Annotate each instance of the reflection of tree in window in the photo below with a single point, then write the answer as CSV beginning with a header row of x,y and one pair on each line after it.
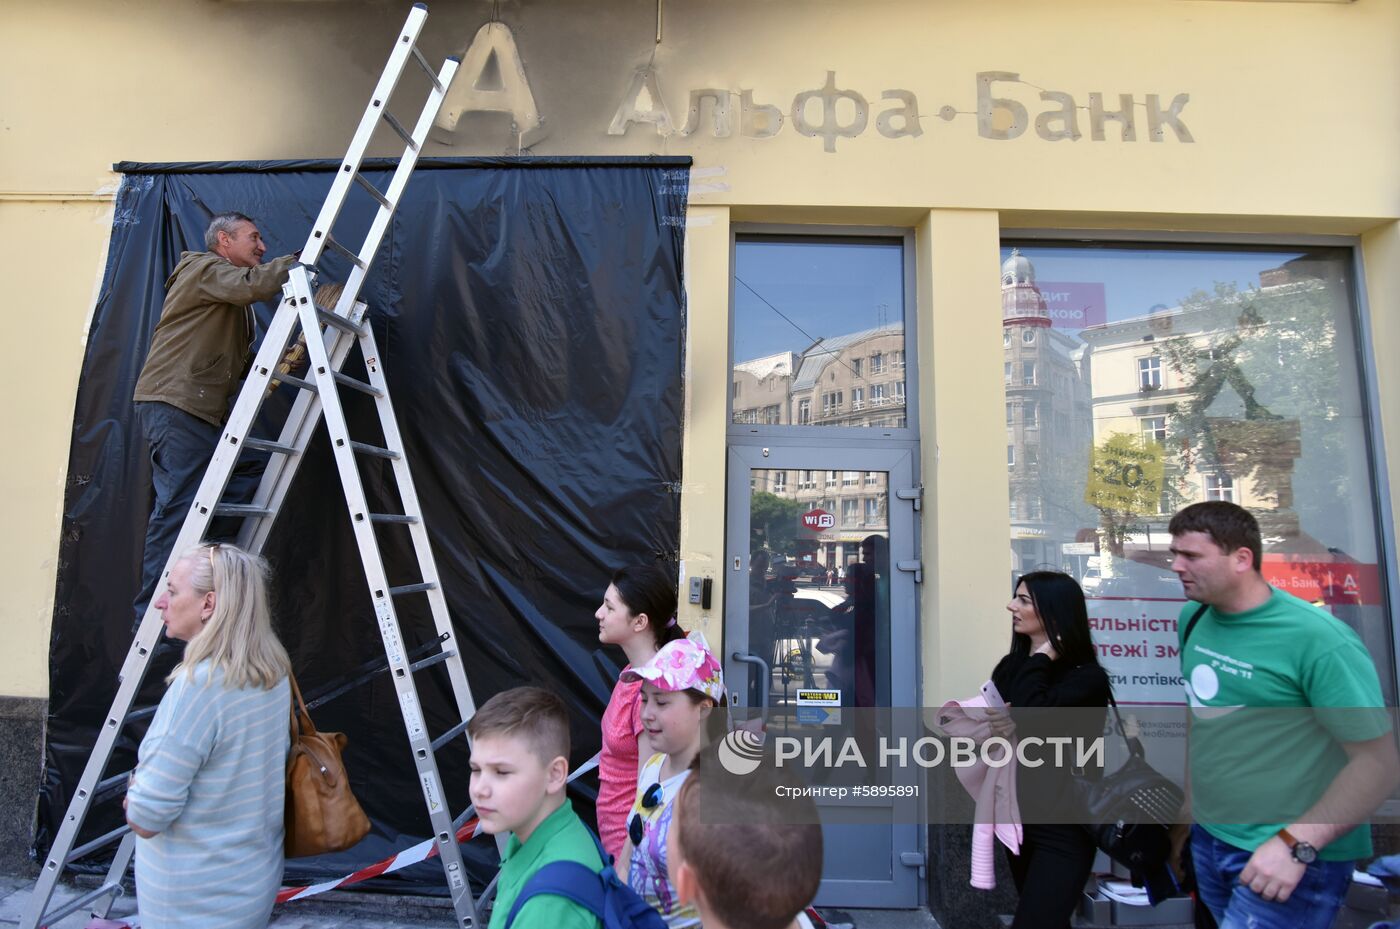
x,y
1248,418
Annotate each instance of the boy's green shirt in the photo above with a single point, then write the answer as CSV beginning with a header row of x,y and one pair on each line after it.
x,y
561,837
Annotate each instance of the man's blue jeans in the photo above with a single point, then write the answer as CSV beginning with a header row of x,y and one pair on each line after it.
x,y
181,446
1313,904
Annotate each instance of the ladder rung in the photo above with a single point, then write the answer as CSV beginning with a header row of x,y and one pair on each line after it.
x,y
449,735
366,672
339,322
439,658
242,509
97,843
392,518
297,382
116,780
372,190
412,589
142,713
375,451
398,127
349,255
428,70
268,445
361,386
78,903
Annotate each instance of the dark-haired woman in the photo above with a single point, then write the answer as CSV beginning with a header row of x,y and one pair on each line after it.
x,y
639,615
1051,664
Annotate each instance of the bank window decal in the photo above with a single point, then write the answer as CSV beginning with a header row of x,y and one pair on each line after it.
x,y
1174,374
821,321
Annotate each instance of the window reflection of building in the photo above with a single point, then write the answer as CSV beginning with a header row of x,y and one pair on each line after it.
x,y
854,380
1183,379
761,389
1047,423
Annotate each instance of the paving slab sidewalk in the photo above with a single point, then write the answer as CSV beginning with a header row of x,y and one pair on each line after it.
x,y
381,911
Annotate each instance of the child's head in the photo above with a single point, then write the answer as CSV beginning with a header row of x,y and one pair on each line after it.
x,y
746,858
641,600
520,759
680,686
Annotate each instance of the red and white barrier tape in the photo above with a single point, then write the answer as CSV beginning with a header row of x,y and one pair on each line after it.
x,y
420,852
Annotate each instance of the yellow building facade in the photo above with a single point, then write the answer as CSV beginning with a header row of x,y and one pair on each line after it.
x,y
955,125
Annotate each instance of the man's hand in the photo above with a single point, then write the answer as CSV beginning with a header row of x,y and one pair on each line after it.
x,y
1271,872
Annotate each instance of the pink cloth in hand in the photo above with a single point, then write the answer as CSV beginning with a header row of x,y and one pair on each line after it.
x,y
993,789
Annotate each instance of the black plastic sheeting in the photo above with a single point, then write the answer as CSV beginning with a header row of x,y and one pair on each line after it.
x,y
530,316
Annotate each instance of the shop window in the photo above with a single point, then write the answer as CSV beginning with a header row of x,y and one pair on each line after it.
x,y
816,318
1259,346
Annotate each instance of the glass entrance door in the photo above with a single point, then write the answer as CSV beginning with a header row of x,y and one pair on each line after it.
x,y
820,615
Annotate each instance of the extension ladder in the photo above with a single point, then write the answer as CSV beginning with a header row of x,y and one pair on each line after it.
x,y
329,333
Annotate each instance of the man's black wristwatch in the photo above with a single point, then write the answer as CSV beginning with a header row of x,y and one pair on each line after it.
x,y
1303,853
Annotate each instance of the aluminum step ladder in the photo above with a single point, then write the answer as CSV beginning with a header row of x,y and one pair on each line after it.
x,y
329,333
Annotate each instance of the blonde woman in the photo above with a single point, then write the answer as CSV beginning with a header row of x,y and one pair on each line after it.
x,y
206,798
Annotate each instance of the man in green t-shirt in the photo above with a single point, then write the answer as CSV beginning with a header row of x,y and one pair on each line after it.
x,y
1290,752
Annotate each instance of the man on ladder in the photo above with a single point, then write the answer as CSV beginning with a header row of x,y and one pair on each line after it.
x,y
200,353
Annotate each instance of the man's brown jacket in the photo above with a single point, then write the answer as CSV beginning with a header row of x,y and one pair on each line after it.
x,y
202,346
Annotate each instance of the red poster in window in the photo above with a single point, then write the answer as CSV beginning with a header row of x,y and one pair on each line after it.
x,y
817,520
1333,580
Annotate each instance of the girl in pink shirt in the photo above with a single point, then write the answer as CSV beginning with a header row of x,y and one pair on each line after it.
x,y
639,615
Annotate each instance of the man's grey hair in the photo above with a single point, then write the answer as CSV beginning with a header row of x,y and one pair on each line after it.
x,y
224,222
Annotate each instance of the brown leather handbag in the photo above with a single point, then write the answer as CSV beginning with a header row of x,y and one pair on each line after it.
x,y
322,814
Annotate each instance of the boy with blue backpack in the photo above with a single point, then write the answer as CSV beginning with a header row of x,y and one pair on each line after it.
x,y
552,872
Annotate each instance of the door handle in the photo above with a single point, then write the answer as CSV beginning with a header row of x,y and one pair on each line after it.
x,y
767,675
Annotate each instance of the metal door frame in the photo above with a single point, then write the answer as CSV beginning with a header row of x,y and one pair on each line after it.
x,y
899,460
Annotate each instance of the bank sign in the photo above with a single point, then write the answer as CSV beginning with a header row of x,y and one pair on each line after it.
x,y
1001,106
